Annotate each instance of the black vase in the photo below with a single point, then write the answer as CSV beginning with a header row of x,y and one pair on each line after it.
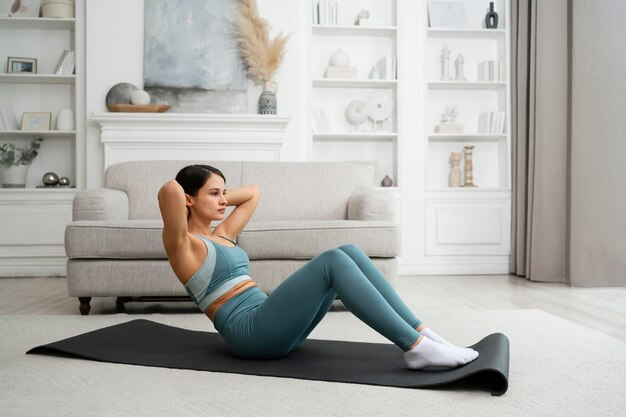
x,y
491,19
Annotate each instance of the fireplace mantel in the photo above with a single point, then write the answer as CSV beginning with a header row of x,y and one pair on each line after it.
x,y
166,136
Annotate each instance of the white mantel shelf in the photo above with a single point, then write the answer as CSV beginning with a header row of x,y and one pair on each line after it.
x,y
163,136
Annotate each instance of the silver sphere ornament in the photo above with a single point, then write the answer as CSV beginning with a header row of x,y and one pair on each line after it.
x,y
50,178
64,182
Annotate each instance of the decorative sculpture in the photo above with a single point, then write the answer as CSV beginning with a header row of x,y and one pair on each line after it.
x,y
454,178
468,167
491,18
458,63
445,64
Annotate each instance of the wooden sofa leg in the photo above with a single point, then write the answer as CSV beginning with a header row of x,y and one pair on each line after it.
x,y
84,305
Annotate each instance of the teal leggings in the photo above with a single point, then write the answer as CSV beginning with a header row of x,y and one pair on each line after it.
x,y
259,326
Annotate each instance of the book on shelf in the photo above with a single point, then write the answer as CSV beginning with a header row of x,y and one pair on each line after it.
x,y
320,121
491,122
340,72
387,68
491,71
66,64
324,12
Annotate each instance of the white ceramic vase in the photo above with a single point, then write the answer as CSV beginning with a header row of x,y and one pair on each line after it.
x,y
14,176
65,120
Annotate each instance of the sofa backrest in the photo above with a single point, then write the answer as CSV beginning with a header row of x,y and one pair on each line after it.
x,y
289,190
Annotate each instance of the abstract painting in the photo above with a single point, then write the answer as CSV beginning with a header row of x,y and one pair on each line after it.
x,y
191,59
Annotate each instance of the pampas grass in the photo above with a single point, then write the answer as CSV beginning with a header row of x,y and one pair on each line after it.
x,y
261,55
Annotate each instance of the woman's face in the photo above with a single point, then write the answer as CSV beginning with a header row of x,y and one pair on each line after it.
x,y
210,203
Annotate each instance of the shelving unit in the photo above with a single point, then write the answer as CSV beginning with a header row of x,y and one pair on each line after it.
x,y
45,39
367,143
468,226
33,219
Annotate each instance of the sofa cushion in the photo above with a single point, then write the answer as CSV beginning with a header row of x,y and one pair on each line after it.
x,y
305,239
141,239
141,181
131,239
305,191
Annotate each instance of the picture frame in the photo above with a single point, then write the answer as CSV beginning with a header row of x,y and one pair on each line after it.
x,y
446,15
39,121
20,8
21,65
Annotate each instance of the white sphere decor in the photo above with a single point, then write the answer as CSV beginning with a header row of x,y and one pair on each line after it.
x,y
340,59
140,97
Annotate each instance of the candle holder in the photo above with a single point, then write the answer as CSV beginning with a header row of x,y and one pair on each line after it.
x,y
468,166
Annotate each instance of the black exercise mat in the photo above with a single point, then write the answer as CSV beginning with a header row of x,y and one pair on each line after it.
x,y
143,342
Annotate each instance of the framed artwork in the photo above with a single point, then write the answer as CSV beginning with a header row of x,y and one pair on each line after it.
x,y
191,58
28,65
446,14
20,8
36,121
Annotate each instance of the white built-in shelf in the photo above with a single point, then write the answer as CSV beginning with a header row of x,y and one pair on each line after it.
x,y
37,23
467,33
466,85
38,133
355,136
467,137
463,190
353,83
332,30
37,79
23,195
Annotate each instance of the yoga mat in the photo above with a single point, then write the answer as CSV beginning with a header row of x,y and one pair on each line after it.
x,y
144,342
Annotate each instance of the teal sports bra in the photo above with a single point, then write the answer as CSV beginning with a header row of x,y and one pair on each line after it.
x,y
223,268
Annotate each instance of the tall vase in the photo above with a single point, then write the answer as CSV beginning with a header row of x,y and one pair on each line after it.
x,y
14,176
65,120
267,100
491,18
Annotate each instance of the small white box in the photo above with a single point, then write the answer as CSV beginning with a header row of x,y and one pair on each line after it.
x,y
450,128
340,72
57,8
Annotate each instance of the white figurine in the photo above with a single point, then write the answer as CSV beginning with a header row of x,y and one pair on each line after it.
x,y
445,64
459,68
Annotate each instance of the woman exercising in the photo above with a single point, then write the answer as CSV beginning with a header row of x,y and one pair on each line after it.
x,y
215,273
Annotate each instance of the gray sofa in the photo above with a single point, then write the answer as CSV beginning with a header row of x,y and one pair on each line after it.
x,y
114,244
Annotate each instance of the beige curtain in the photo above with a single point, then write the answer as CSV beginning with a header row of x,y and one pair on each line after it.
x,y
540,138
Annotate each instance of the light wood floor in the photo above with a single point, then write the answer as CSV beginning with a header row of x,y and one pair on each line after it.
x,y
601,308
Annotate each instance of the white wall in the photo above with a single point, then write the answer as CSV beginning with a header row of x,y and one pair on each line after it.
x,y
598,160
114,54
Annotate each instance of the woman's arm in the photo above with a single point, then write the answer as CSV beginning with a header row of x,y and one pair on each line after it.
x,y
174,212
245,200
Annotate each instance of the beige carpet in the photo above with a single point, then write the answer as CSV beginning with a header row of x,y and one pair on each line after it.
x,y
558,368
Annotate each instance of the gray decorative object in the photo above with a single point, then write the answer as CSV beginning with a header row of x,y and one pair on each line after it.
x,y
64,182
121,93
491,18
191,59
50,179
267,99
387,181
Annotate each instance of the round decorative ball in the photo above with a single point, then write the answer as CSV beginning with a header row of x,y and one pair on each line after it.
x,y
64,182
120,93
140,97
340,59
49,179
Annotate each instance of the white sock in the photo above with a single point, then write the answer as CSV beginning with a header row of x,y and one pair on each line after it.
x,y
435,337
432,355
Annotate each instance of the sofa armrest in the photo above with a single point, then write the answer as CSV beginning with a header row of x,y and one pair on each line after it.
x,y
100,204
372,205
